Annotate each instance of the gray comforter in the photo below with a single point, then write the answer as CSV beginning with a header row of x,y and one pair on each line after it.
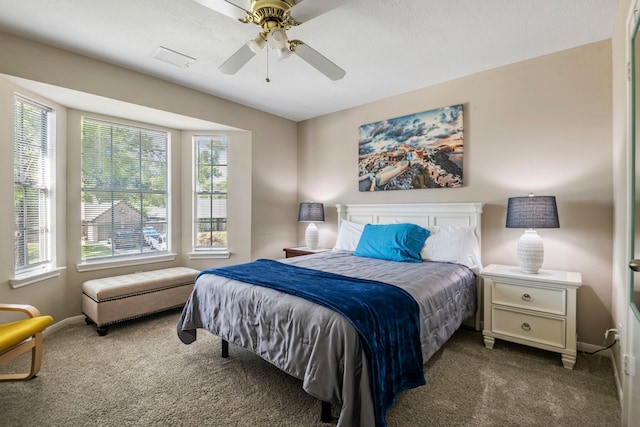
x,y
316,344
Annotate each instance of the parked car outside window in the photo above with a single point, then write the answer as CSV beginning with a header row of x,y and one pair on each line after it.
x,y
150,232
127,239
159,243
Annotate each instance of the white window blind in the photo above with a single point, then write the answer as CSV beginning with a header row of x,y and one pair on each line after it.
x,y
33,160
210,183
124,190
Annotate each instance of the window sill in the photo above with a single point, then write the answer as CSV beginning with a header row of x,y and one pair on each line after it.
x,y
219,254
124,262
34,277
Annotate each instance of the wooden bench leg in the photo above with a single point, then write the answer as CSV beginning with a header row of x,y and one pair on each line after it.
x,y
225,348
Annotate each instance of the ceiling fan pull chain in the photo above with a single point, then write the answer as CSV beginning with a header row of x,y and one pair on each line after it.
x,y
267,79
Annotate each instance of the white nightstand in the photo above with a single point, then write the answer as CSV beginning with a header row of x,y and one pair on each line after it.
x,y
302,250
532,309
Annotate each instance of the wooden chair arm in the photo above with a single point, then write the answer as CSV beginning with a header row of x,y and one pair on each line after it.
x,y
29,310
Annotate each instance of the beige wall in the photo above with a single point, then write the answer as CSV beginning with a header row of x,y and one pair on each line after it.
x,y
263,215
541,126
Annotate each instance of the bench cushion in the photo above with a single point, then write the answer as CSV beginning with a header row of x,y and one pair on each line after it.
x,y
137,283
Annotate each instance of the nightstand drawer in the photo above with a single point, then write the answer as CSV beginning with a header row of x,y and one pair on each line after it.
x,y
546,300
544,330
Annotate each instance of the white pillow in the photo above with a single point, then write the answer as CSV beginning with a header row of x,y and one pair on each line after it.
x,y
348,236
457,245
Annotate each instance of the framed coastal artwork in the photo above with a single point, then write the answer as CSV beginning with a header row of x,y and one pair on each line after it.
x,y
421,150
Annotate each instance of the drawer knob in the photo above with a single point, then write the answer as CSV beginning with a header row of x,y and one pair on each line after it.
x,y
526,326
526,297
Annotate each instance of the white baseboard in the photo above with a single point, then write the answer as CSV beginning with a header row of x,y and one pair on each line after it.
x,y
61,324
616,375
590,348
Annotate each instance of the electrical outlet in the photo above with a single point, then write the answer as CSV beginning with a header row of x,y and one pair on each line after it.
x,y
619,332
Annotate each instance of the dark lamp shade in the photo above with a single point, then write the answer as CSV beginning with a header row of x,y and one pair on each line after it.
x,y
311,212
532,212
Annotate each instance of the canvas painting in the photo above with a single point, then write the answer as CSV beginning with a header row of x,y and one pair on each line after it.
x,y
421,150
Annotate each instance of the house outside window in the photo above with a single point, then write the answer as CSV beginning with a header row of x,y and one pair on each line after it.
x,y
124,190
33,172
210,198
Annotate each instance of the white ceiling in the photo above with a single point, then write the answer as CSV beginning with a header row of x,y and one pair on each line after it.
x,y
387,47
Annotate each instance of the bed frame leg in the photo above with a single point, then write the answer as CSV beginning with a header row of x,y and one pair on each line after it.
x,y
225,348
325,412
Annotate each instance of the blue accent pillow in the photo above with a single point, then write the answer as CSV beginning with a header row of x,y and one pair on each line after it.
x,y
393,242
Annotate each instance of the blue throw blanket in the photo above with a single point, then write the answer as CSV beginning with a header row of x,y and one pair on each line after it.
x,y
385,316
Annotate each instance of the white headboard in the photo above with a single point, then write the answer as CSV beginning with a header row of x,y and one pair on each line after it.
x,y
423,214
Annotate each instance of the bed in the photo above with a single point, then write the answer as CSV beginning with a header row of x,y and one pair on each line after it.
x,y
317,344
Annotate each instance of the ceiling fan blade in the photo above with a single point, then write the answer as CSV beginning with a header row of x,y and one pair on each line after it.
x,y
317,60
305,10
237,60
236,9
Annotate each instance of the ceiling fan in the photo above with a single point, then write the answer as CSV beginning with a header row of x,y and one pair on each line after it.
x,y
275,17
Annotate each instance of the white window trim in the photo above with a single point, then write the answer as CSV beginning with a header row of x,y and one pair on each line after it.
x,y
218,252
35,276
124,262
48,270
210,254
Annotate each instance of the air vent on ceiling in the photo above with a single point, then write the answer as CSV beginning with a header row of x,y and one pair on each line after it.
x,y
172,57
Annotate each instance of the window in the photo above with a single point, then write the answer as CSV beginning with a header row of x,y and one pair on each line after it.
x,y
210,218
124,190
33,168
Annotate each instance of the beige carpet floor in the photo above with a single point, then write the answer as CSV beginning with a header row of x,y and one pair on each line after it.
x,y
140,374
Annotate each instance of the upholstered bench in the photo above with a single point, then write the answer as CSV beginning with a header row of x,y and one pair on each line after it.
x,y
115,299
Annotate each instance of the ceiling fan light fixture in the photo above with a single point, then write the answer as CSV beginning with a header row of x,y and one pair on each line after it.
x,y
274,18
277,38
283,53
256,44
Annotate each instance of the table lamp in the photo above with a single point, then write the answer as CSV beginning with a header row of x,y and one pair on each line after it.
x,y
311,213
531,212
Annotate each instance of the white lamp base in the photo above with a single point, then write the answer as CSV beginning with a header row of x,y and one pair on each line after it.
x,y
530,252
311,236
